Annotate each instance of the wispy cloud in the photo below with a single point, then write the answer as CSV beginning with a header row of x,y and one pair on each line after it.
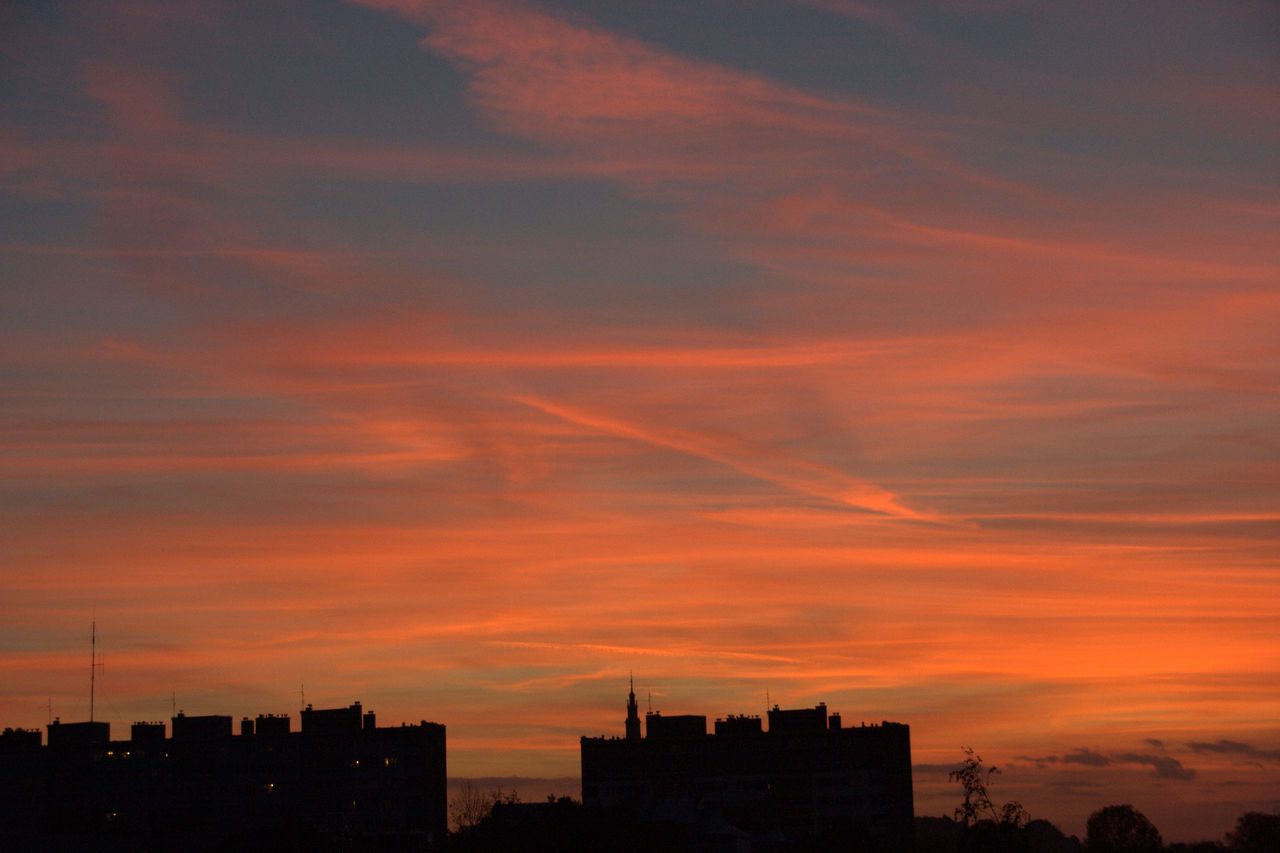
x,y
1163,766
1235,748
754,460
680,652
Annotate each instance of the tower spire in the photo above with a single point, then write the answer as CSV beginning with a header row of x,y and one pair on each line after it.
x,y
633,712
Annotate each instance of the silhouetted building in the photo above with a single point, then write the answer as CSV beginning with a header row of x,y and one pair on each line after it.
x,y
807,780
341,781
272,725
146,733
14,741
78,735
21,780
213,727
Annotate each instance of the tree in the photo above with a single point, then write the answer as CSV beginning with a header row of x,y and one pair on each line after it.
x,y
977,805
1121,829
1040,836
1255,832
471,805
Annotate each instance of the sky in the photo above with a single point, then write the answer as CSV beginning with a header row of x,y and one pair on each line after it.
x,y
466,358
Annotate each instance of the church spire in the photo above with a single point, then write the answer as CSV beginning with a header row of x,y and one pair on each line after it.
x,y
633,712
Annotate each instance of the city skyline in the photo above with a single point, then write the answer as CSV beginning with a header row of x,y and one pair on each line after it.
x,y
463,358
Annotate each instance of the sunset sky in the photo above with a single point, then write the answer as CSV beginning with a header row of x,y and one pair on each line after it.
x,y
919,358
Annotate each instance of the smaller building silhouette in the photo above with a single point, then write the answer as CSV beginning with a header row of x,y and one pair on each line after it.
x,y
806,779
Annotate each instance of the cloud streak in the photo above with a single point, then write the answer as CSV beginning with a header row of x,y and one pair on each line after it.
x,y
1235,748
1162,766
780,469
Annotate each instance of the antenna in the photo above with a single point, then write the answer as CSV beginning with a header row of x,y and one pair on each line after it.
x,y
50,706
302,691
173,704
650,701
93,662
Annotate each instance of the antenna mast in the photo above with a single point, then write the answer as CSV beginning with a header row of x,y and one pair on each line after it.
x,y
93,662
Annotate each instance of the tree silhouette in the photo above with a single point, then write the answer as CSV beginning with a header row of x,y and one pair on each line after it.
x,y
471,805
1122,829
977,805
1041,836
1255,832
